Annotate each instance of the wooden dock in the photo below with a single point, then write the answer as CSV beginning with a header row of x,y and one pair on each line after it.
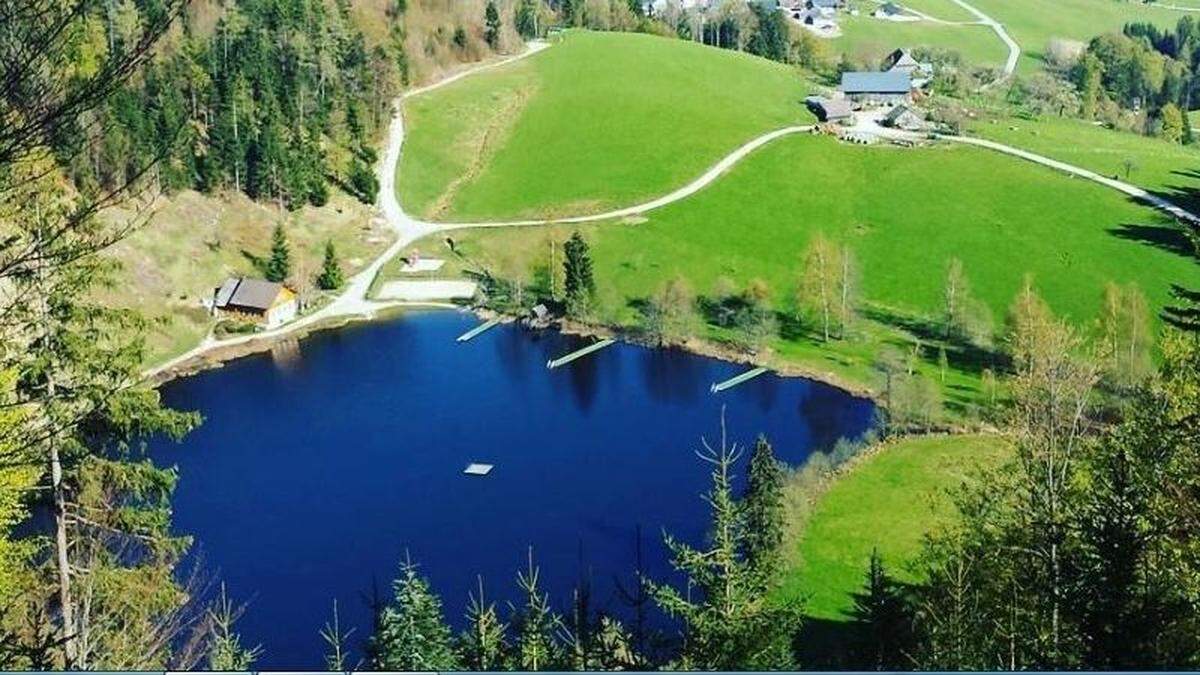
x,y
735,381
477,330
579,353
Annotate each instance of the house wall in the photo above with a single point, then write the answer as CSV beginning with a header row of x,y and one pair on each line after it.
x,y
281,314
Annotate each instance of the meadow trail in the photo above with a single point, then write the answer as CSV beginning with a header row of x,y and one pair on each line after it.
x,y
1014,50
354,304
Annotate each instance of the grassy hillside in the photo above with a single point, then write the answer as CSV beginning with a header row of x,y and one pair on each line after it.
x,y
1169,168
600,120
194,241
1032,23
905,214
867,39
890,501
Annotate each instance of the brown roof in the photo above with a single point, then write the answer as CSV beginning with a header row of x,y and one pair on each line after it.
x,y
255,294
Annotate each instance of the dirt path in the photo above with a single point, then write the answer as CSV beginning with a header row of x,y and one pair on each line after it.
x,y
1014,50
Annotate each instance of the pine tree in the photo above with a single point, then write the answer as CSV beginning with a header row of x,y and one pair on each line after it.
x,y
883,620
536,647
728,622
483,643
279,264
412,634
763,509
577,274
526,19
226,652
491,18
331,277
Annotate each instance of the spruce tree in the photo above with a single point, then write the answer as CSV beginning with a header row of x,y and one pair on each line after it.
x,y
728,623
279,263
536,647
526,19
483,643
331,277
411,633
491,19
763,509
577,274
226,652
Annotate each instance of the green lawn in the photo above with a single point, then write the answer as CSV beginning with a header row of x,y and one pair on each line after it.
x,y
867,39
905,213
889,501
599,120
1032,23
1158,165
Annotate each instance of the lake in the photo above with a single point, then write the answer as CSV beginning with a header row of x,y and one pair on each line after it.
x,y
319,468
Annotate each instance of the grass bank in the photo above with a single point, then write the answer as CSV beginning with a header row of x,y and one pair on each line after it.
x,y
904,213
599,121
193,241
889,499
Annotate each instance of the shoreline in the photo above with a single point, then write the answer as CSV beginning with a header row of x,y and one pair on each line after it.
x,y
219,355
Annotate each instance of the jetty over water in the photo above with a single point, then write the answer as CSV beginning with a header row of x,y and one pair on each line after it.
x,y
492,323
579,353
735,381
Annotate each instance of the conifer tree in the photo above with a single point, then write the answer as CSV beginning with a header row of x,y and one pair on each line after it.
x,y
491,19
577,274
483,642
226,652
279,263
763,509
412,633
728,622
331,277
536,647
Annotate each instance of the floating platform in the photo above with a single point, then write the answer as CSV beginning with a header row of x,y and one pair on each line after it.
x,y
594,347
477,330
735,381
476,469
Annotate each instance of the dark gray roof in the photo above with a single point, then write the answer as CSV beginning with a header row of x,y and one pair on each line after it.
x,y
829,108
829,4
248,293
892,82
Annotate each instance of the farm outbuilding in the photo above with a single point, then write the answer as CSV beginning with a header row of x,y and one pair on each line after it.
x,y
873,88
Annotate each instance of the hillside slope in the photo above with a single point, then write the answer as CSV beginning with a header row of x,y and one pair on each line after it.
x,y
600,120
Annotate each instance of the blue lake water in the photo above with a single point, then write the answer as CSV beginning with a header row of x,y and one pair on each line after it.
x,y
315,472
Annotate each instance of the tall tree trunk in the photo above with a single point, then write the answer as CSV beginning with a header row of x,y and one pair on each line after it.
x,y
62,561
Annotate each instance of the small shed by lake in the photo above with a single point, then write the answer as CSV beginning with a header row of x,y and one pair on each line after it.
x,y
267,303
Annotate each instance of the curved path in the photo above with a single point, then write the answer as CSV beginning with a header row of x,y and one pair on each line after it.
x,y
1014,50
353,302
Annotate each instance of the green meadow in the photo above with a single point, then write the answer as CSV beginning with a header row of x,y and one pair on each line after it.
x,y
889,501
1169,168
903,212
867,39
600,120
1033,23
